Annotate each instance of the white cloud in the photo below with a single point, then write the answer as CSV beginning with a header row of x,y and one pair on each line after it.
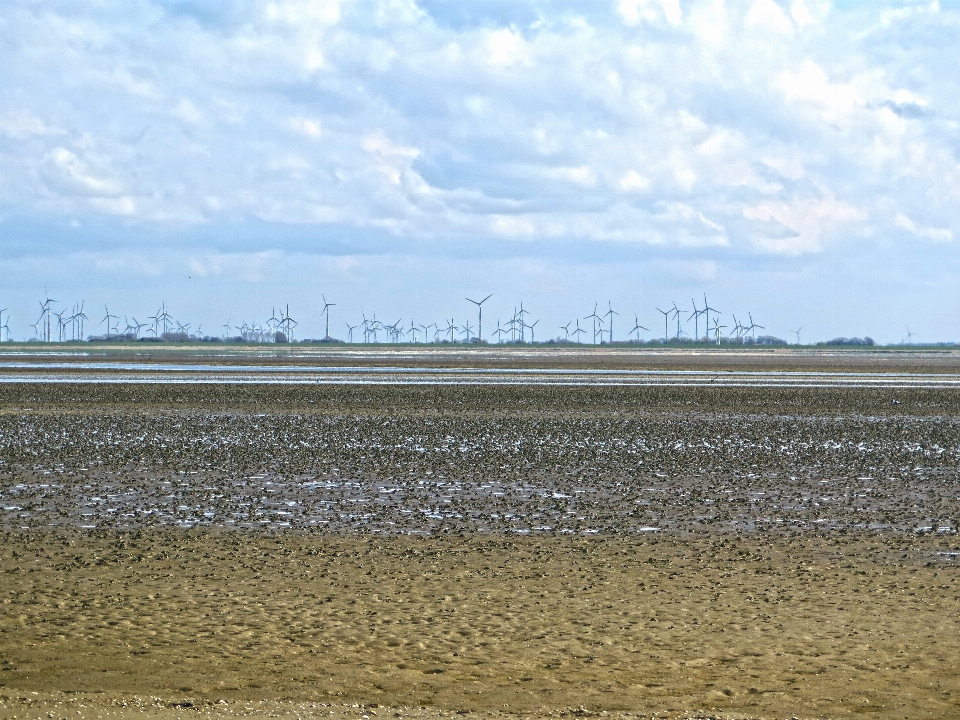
x,y
400,12
506,48
633,12
931,233
811,84
695,228
310,127
807,221
188,112
632,181
378,144
767,16
303,13
512,226
68,174
22,124
582,175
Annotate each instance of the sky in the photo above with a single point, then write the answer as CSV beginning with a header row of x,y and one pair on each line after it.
x,y
797,160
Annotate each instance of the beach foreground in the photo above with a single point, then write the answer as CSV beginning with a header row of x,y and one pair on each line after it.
x,y
749,626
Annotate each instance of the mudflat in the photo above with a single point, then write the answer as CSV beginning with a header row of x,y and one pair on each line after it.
x,y
260,551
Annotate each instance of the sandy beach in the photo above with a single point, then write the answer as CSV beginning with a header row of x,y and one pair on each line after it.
x,y
816,627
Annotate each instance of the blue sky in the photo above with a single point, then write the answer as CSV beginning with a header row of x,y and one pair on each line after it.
x,y
797,159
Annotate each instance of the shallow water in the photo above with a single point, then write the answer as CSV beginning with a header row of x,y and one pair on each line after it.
x,y
139,373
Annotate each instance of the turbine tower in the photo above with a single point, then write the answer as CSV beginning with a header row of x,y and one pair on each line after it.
x,y
326,310
707,310
479,305
666,319
593,316
695,315
609,314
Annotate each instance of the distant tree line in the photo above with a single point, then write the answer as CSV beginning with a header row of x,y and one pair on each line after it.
x,y
849,341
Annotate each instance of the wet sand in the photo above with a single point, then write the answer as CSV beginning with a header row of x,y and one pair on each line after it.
x,y
810,627
804,561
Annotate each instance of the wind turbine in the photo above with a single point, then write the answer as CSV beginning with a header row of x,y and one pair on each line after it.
x,y
288,323
738,328
164,317
578,332
395,331
44,321
609,314
107,319
696,320
326,309
532,340
480,314
594,317
81,316
666,319
523,324
717,327
637,327
512,324
797,333
753,327
61,323
909,336
676,315
566,330
707,310
273,322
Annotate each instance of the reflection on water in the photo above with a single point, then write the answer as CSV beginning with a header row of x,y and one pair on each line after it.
x,y
114,372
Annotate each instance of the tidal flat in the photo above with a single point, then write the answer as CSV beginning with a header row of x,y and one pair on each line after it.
x,y
174,550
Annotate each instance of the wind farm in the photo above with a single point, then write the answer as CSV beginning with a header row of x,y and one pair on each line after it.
x,y
700,326
447,515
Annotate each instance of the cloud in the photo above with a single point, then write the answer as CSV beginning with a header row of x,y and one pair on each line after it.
x,y
512,226
19,125
309,127
771,126
506,48
188,112
805,222
767,16
632,181
581,175
633,12
931,233
68,174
